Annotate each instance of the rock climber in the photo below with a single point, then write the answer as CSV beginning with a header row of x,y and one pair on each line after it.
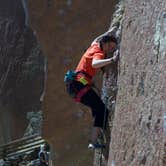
x,y
43,156
80,87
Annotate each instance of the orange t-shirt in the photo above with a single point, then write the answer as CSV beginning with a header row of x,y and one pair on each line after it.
x,y
85,64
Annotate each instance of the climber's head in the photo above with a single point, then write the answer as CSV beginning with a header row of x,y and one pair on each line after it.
x,y
108,43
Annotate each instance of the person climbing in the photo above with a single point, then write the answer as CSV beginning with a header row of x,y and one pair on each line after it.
x,y
43,156
79,81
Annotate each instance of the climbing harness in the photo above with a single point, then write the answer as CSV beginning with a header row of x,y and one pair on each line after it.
x,y
81,93
69,76
69,80
76,88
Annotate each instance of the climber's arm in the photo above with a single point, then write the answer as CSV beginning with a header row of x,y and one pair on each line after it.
x,y
98,63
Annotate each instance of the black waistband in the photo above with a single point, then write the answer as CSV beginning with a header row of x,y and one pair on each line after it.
x,y
86,74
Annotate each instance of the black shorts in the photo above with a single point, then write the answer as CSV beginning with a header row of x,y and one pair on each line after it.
x,y
92,100
99,111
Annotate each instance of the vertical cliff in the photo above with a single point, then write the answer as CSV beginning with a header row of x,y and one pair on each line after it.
x,y
138,136
21,70
110,77
66,29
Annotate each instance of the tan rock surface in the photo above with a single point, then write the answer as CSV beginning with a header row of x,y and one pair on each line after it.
x,y
139,136
65,29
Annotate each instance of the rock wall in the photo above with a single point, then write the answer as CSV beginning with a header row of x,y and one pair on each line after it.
x,y
110,77
21,71
139,133
66,29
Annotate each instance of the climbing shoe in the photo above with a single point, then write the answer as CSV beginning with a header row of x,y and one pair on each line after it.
x,y
96,146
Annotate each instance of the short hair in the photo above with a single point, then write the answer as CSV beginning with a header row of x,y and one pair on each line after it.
x,y
107,39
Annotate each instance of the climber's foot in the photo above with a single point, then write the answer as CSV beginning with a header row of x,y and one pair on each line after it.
x,y
96,146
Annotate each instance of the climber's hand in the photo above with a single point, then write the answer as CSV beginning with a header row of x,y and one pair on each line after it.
x,y
116,56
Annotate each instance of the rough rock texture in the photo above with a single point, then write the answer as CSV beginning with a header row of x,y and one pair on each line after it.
x,y
110,76
21,71
139,133
66,29
34,124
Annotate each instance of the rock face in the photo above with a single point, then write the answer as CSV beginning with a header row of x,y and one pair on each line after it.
x,y
66,29
34,124
139,133
110,76
21,71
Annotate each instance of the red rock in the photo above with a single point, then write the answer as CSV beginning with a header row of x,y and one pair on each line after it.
x,y
138,136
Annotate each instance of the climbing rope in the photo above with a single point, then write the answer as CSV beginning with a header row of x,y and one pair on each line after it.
x,y
103,128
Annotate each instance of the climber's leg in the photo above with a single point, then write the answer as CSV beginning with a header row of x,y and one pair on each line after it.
x,y
96,131
100,113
